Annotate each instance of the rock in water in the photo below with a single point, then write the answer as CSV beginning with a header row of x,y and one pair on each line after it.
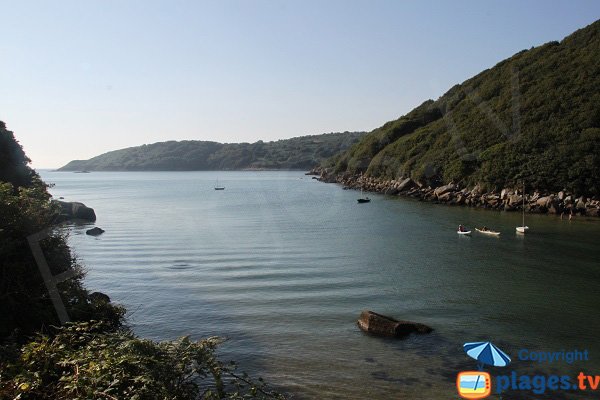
x,y
94,231
75,210
378,324
98,297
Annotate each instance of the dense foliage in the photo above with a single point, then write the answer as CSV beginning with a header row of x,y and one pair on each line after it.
x,y
303,152
532,117
85,361
25,209
94,357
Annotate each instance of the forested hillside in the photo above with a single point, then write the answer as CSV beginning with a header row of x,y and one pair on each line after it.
x,y
533,117
191,155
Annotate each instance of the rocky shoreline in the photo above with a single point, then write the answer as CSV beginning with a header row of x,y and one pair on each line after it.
x,y
507,199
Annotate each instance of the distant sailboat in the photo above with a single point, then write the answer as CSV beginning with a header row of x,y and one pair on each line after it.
x,y
362,199
217,187
523,228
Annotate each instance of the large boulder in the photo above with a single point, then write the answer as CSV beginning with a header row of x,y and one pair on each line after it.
x,y
445,197
545,201
568,200
378,324
444,189
477,190
75,210
515,200
406,184
580,204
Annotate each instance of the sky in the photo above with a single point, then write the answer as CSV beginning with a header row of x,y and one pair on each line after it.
x,y
79,78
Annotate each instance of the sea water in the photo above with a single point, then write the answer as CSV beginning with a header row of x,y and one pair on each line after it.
x,y
281,265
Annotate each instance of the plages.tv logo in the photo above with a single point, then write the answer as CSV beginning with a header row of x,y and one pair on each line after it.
x,y
478,384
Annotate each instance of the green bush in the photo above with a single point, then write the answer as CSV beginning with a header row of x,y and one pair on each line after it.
x,y
89,361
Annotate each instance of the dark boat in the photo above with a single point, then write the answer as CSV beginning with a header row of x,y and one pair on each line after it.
x,y
363,199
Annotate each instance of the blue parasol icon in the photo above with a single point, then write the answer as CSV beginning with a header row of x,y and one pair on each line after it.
x,y
486,354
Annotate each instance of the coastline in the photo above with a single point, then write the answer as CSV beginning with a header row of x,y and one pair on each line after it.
x,y
564,203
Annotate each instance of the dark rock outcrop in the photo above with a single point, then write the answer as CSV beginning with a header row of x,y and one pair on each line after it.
x,y
75,210
378,324
94,231
98,297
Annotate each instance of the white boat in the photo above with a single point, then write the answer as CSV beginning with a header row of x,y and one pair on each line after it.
x,y
463,232
523,228
488,232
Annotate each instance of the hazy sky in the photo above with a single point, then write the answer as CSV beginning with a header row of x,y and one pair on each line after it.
x,y
79,78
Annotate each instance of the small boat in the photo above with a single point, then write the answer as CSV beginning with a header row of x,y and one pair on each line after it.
x,y
363,199
487,232
464,232
217,187
523,228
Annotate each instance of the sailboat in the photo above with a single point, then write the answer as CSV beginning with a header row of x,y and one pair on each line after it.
x,y
523,228
362,199
217,187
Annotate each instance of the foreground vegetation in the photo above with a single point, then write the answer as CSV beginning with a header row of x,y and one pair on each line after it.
x,y
533,117
95,356
191,155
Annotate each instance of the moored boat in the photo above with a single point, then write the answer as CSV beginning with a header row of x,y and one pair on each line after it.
x,y
487,232
523,228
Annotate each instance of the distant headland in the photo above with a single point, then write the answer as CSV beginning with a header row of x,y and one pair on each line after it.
x,y
299,153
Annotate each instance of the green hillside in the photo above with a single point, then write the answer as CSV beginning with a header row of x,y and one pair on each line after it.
x,y
297,153
532,117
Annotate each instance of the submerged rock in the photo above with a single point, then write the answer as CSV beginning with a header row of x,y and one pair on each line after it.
x,y
382,325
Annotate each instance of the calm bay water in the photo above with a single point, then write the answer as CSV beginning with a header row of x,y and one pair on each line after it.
x,y
282,266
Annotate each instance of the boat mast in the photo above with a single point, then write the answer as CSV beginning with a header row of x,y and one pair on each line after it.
x,y
523,205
